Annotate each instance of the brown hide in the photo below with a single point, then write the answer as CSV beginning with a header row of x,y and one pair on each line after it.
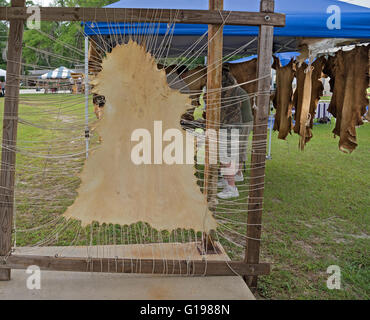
x,y
244,72
94,57
349,101
196,78
302,103
305,102
329,71
317,87
367,116
283,97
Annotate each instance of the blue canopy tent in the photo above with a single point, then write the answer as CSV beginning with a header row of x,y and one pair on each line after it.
x,y
308,19
284,58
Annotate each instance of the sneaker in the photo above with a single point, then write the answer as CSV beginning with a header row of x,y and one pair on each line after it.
x,y
222,183
228,193
239,177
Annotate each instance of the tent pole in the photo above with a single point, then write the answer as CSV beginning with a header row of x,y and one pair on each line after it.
x,y
87,132
271,117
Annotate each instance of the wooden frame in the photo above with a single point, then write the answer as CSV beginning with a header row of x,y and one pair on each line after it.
x,y
10,125
144,266
266,19
145,15
259,144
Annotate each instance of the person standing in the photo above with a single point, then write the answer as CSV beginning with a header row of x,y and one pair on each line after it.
x,y
3,88
236,118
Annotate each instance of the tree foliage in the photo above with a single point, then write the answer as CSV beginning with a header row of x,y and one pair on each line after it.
x,y
57,43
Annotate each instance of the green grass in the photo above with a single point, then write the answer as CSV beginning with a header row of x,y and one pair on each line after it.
x,y
316,215
316,207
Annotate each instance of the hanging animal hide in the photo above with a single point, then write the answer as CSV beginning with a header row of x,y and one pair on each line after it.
x,y
306,98
283,97
94,56
329,72
115,190
350,72
245,72
302,103
317,90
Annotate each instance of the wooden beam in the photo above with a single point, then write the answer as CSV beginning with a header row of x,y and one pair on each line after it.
x,y
214,85
144,266
146,15
259,143
10,125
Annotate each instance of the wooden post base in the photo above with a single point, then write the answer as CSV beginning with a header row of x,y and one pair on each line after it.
x,y
5,274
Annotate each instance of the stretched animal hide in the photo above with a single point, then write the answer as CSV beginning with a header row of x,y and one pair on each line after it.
x,y
283,97
302,103
115,190
350,72
306,98
244,72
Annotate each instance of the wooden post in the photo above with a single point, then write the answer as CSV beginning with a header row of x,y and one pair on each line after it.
x,y
214,84
10,123
258,160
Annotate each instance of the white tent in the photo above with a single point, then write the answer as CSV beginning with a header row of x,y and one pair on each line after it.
x,y
2,73
59,73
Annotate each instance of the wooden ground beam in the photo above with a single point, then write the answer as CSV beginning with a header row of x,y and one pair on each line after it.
x,y
145,15
259,143
144,266
10,124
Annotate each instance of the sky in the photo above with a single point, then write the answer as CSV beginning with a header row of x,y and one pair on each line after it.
x,y
365,3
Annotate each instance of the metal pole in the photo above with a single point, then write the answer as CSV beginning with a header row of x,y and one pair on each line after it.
x,y
271,117
87,133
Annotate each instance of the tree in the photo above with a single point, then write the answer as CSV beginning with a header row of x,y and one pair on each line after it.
x,y
3,37
57,43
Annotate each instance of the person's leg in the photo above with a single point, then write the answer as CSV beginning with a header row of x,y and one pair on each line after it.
x,y
230,190
228,169
230,179
243,147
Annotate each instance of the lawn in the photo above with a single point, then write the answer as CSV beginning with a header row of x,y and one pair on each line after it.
x,y
316,202
316,215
